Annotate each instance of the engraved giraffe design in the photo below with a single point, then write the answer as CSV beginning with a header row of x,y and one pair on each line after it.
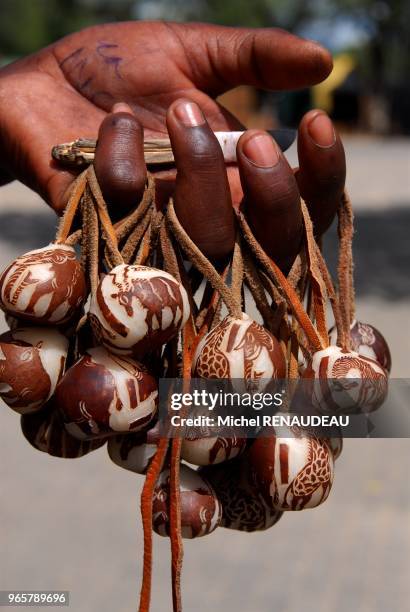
x,y
315,474
212,362
373,383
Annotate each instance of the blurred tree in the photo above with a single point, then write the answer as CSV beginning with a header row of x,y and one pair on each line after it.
x,y
258,13
384,61
28,25
388,48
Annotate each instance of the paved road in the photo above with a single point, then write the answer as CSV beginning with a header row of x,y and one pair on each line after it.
x,y
75,524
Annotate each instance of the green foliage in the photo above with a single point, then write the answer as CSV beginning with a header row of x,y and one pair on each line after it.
x,y
248,13
29,25
240,13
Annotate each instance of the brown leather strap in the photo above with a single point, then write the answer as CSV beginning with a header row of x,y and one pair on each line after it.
x,y
280,280
151,478
71,208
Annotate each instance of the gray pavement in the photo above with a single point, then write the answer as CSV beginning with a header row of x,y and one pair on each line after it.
x,y
75,525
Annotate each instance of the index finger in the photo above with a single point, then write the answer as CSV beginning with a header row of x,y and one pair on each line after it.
x,y
119,160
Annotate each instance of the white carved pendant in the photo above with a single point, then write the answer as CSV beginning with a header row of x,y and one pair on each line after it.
x,y
137,309
344,381
46,286
212,450
239,349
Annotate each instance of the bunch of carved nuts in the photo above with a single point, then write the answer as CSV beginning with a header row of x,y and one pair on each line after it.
x,y
106,390
71,406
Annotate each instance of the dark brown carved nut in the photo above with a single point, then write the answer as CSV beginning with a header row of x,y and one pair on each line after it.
x,y
69,328
134,451
336,445
344,381
239,349
32,362
103,394
46,285
200,508
293,472
137,309
243,507
46,432
368,342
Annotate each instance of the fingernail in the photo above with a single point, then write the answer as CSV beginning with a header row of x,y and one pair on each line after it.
x,y
261,150
121,107
321,130
189,114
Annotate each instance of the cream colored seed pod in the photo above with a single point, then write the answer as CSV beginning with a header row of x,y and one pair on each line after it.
x,y
212,450
344,381
239,349
137,309
46,286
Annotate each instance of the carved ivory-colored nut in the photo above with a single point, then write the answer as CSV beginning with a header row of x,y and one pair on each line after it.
x,y
243,507
368,342
200,508
292,473
46,285
32,362
46,432
103,394
361,382
212,450
239,349
134,451
138,309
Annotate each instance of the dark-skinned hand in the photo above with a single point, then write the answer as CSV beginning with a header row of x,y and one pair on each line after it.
x,y
205,190
64,91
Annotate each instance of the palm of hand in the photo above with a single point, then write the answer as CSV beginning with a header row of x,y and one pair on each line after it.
x,y
149,73
69,87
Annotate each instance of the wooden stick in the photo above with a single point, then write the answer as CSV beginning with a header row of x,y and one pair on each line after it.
x,y
81,152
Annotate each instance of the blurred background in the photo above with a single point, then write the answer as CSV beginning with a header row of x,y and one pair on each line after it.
x,y
75,525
